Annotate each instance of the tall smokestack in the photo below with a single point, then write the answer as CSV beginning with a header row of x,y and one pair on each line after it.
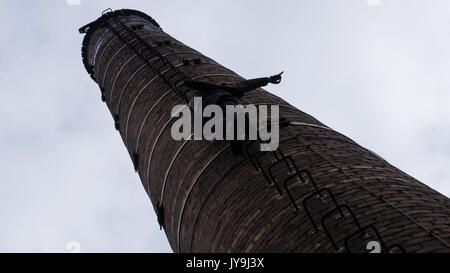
x,y
319,192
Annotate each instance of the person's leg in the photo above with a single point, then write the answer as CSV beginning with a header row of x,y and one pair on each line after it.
x,y
235,144
236,147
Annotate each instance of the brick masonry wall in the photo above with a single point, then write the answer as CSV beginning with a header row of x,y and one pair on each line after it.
x,y
216,202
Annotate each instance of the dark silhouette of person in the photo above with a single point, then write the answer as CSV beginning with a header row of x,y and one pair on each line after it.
x,y
228,94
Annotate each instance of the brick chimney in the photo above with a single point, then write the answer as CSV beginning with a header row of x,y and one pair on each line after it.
x,y
319,192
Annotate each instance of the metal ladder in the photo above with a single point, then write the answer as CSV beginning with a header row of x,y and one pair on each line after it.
x,y
158,63
303,178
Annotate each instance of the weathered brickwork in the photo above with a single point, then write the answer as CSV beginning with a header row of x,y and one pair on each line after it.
x,y
216,202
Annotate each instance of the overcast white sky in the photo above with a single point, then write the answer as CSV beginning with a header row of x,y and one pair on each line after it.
x,y
377,73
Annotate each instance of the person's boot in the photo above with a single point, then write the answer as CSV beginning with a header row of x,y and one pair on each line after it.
x,y
236,147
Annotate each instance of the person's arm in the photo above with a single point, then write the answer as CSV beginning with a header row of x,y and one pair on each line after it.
x,y
252,84
201,86
248,85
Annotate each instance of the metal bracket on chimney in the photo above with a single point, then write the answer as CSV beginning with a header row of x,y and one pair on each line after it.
x,y
135,160
103,93
116,121
160,214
